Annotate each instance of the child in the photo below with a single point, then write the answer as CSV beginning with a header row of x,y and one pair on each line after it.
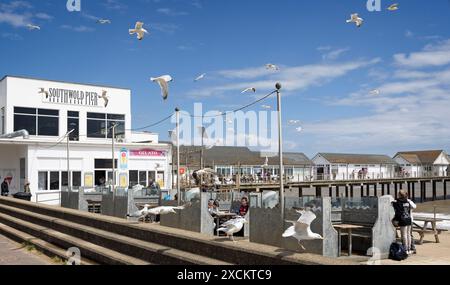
x,y
403,216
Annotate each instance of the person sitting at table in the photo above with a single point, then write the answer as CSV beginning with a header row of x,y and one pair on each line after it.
x,y
213,207
243,210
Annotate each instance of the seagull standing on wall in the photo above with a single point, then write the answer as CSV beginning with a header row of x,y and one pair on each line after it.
x,y
105,98
232,227
356,19
140,215
301,230
163,82
139,31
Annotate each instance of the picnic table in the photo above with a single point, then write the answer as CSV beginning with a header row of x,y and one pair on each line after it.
x,y
425,230
349,231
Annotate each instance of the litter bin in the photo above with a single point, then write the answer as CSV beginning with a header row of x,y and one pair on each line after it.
x,y
23,196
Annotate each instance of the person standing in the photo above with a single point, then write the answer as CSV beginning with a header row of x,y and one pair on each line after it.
x,y
5,188
403,216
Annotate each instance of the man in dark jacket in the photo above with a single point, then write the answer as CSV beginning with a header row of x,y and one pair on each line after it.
x,y
5,188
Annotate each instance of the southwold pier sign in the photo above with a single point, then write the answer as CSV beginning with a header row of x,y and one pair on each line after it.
x,y
71,97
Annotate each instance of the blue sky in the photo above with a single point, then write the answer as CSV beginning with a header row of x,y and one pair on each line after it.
x,y
327,67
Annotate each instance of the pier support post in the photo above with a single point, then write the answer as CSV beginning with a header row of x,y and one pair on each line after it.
x,y
352,191
300,192
318,191
382,189
346,190
413,189
422,192
445,190
337,191
330,191
433,182
362,190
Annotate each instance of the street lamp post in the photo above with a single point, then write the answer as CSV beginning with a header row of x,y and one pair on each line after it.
x,y
69,180
177,110
113,161
280,149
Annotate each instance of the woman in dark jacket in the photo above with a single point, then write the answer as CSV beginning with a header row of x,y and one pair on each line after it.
x,y
403,218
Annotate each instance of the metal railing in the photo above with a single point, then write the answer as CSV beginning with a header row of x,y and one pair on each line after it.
x,y
41,194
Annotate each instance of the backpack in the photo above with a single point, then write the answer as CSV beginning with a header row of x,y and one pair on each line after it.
x,y
397,252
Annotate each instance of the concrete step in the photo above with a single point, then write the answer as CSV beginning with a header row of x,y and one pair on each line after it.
x,y
144,250
184,241
46,248
89,250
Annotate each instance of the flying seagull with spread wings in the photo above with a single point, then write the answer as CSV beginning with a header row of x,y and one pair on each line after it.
x,y
301,230
105,98
163,82
104,21
393,7
33,27
139,31
252,89
200,77
42,91
271,66
356,19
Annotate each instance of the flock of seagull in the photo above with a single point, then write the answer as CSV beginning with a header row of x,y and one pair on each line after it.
x,y
300,229
358,21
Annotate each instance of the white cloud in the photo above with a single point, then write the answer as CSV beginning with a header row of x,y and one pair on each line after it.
x,y
431,55
80,29
411,110
171,12
295,78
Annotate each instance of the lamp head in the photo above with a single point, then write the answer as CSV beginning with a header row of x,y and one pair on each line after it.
x,y
278,86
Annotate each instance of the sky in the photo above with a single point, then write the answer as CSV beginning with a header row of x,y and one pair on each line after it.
x,y
328,67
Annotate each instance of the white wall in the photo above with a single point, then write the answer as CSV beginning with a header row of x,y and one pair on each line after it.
x,y
10,164
2,105
25,93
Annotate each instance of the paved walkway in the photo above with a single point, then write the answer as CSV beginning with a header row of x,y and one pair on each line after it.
x,y
12,253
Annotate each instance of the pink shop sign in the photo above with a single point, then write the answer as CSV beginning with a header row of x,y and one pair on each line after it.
x,y
147,153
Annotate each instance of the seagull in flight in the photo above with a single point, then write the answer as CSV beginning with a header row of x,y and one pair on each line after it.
x,y
33,27
164,210
104,21
266,107
356,19
163,82
141,214
253,89
105,98
271,66
294,122
393,7
375,92
299,129
301,230
200,77
42,91
139,31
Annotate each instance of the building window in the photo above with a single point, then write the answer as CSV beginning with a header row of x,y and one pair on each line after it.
x,y
43,181
54,180
100,125
38,122
133,178
76,179
2,121
73,123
